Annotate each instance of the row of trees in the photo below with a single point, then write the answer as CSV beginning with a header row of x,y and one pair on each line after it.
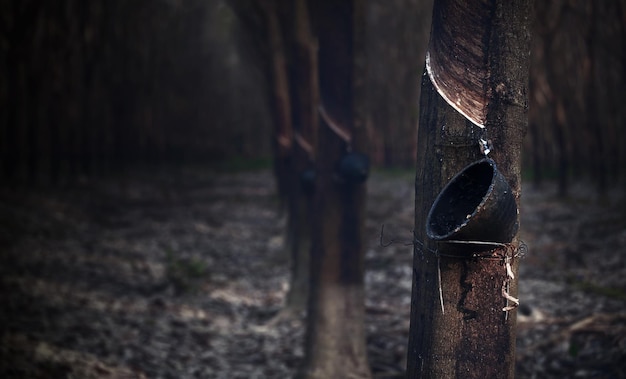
x,y
313,55
317,69
90,87
577,82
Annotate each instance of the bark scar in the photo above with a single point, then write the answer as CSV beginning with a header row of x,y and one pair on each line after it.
x,y
468,314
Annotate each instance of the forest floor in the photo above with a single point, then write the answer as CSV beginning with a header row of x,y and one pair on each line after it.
x,y
179,274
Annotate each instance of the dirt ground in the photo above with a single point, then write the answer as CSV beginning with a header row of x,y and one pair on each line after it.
x,y
176,274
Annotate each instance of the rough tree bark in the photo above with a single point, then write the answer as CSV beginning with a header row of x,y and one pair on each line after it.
x,y
335,342
466,333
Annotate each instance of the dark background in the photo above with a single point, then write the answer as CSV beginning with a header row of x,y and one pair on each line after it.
x,y
93,87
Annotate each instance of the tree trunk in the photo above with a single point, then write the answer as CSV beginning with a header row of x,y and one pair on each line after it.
x,y
462,331
563,149
283,129
304,102
595,119
335,342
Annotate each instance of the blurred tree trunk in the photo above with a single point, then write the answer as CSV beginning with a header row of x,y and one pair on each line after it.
x,y
596,121
335,339
562,143
279,99
19,25
283,106
471,337
292,98
281,40
304,100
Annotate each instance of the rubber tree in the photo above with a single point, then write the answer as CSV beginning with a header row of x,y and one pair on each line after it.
x,y
278,36
473,103
303,84
335,338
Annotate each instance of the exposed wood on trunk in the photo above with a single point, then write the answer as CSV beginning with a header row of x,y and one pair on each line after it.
x,y
458,54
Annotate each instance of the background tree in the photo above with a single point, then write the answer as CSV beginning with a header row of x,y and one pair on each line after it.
x,y
304,92
465,332
335,339
288,52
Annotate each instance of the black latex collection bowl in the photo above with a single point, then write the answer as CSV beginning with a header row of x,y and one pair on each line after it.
x,y
476,205
354,167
